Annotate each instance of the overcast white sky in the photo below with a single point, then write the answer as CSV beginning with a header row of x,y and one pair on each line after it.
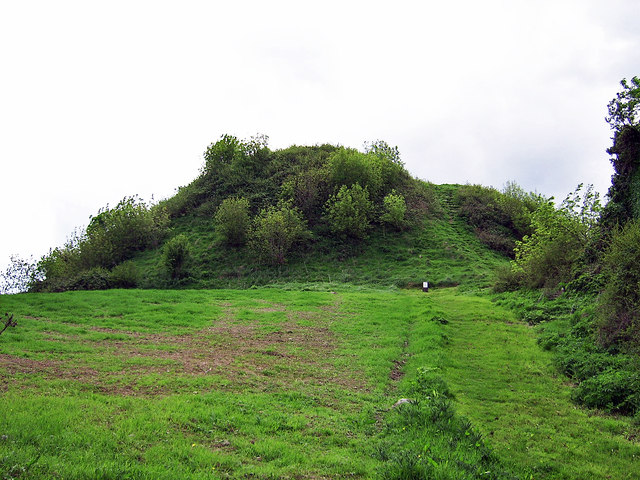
x,y
99,100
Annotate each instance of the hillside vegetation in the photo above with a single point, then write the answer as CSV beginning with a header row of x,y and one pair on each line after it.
x,y
320,214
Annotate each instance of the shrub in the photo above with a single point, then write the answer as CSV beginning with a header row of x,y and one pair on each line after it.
x,y
387,160
175,256
231,163
349,211
613,390
308,190
620,300
548,256
507,279
394,209
232,221
275,231
499,218
125,275
348,167
115,234
96,278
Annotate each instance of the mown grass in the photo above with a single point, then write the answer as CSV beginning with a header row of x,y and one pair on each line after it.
x,y
289,384
508,387
211,384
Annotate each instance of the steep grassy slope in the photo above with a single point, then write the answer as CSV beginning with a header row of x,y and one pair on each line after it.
x,y
442,249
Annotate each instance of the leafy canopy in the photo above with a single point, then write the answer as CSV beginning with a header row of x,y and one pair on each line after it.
x,y
623,109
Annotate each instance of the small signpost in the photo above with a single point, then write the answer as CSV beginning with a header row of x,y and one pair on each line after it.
x,y
425,286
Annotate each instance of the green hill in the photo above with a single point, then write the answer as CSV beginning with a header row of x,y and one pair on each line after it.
x,y
268,321
353,217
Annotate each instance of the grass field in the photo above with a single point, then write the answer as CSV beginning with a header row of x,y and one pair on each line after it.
x,y
507,386
266,383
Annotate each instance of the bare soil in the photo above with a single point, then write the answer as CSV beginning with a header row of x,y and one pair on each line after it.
x,y
238,353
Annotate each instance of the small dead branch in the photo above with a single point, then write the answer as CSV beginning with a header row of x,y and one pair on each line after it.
x,y
8,322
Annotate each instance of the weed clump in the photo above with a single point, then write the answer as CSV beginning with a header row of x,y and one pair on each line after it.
x,y
424,438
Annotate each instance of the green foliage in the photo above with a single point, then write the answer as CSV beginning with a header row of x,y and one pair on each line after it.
x,y
518,206
620,300
232,221
349,211
569,327
308,190
234,162
624,193
508,279
394,209
555,252
614,390
112,236
124,275
232,168
624,107
276,230
499,219
387,159
380,148
348,167
546,257
115,234
175,256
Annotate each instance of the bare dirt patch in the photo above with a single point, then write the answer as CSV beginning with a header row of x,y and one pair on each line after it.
x,y
261,356
52,368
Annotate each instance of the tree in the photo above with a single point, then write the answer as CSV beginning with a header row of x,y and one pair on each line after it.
x,y
19,275
387,161
381,148
275,231
624,107
624,193
348,167
232,221
555,252
349,211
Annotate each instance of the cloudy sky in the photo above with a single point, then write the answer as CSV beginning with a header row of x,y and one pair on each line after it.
x,y
100,100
